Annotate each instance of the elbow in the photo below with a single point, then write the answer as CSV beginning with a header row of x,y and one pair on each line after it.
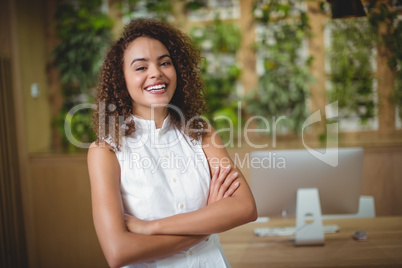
x,y
246,211
120,250
253,215
250,212
119,254
113,264
116,257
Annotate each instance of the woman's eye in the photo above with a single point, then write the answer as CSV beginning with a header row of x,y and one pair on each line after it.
x,y
140,69
165,63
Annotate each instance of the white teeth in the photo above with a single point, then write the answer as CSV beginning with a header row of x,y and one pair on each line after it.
x,y
157,87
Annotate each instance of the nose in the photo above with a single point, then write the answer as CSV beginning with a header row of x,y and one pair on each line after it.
x,y
155,71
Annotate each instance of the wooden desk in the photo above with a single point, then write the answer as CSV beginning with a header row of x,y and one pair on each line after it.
x,y
382,249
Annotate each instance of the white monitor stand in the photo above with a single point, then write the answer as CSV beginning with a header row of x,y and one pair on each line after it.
x,y
309,230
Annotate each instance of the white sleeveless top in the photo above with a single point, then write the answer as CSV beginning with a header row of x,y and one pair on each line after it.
x,y
164,173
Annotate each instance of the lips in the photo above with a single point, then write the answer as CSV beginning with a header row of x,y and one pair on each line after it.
x,y
156,88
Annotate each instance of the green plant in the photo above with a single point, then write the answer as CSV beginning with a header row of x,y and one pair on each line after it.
x,y
381,13
84,32
351,54
283,87
192,5
219,42
159,9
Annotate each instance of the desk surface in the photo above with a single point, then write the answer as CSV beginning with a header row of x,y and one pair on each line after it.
x,y
382,249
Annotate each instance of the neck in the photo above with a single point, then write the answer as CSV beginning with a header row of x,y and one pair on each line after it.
x,y
157,115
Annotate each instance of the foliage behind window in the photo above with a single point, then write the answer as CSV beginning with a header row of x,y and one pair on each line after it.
x,y
84,32
159,9
283,87
219,42
381,13
351,55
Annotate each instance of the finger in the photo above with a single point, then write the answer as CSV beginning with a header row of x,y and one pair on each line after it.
x,y
216,190
227,183
214,179
214,186
231,190
215,174
216,183
223,174
220,180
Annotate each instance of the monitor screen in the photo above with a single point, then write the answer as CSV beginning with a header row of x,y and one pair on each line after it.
x,y
275,177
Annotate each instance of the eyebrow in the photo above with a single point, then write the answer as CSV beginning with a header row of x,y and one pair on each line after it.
x,y
146,59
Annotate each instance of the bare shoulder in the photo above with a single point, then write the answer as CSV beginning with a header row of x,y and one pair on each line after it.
x,y
212,140
101,160
101,149
214,149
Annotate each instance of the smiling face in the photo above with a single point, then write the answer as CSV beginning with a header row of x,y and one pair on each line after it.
x,y
150,75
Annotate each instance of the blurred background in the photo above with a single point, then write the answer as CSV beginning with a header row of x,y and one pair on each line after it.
x,y
267,65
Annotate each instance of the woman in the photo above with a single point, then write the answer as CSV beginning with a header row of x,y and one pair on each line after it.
x,y
162,183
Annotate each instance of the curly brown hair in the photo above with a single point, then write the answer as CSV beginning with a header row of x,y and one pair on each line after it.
x,y
114,104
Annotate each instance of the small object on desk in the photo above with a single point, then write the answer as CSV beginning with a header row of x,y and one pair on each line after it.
x,y
280,231
262,219
360,236
287,231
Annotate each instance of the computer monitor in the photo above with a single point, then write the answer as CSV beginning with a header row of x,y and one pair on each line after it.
x,y
283,181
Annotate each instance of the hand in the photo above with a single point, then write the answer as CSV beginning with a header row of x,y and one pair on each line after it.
x,y
222,185
137,226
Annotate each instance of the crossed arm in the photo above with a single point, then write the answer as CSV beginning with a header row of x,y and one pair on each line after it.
x,y
176,233
226,213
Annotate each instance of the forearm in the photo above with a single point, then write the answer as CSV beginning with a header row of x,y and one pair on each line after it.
x,y
129,248
215,218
